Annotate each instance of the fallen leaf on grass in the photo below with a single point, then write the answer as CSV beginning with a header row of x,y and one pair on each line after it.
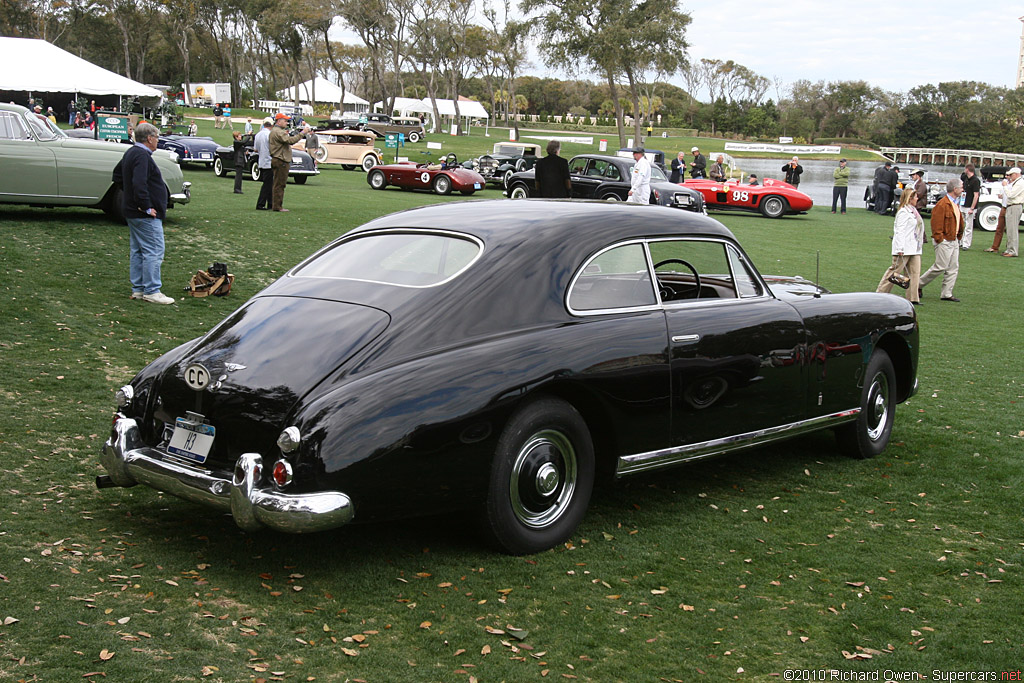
x,y
350,653
106,655
10,620
425,624
485,650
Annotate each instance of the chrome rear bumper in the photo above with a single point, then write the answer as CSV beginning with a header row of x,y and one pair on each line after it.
x,y
129,462
183,197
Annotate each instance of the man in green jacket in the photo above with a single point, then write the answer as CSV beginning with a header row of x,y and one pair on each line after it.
x,y
841,185
281,157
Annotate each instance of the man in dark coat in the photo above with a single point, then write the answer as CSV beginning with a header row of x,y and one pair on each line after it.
x,y
678,168
793,171
552,173
698,164
239,143
144,202
883,191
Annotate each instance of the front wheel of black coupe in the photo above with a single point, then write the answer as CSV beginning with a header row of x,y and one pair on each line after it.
x,y
541,478
869,434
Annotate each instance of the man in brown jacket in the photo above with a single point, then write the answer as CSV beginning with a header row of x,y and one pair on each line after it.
x,y
281,157
947,229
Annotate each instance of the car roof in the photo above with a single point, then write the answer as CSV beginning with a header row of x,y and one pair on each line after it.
x,y
592,224
531,250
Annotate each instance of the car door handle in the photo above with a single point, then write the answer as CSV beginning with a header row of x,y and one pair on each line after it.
x,y
685,338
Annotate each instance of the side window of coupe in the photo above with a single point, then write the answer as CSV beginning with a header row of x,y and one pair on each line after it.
x,y
612,172
693,269
597,168
578,166
747,283
12,128
614,279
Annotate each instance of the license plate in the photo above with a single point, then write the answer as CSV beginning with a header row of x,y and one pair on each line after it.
x,y
206,155
192,441
476,186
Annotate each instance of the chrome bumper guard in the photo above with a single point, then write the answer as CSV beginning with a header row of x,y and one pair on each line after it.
x,y
183,197
129,462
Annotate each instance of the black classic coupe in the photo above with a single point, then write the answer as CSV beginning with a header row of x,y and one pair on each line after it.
x,y
458,362
597,176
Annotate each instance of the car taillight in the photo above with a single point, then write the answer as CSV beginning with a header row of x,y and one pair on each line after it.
x,y
282,473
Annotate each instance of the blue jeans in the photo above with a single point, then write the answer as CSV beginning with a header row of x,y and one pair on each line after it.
x,y
145,253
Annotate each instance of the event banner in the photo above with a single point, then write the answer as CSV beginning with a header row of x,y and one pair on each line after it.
x,y
784,149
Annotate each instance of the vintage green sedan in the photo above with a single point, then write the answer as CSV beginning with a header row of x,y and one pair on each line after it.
x,y
41,166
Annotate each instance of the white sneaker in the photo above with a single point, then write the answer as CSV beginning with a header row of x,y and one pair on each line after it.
x,y
136,295
157,298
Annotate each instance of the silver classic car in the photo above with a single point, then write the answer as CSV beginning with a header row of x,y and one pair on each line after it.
x,y
41,166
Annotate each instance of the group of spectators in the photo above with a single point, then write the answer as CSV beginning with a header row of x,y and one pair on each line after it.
x,y
144,194
952,226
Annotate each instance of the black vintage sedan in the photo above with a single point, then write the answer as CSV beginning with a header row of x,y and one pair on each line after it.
x,y
301,169
459,362
190,149
596,176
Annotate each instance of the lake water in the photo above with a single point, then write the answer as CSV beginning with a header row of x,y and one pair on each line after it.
x,y
816,180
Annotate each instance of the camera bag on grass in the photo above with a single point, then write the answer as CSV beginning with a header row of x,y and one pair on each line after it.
x,y
216,281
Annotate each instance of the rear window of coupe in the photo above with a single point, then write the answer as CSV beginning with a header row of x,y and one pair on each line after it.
x,y
408,259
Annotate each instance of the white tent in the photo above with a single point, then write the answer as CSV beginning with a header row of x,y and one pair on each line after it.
x,y
467,108
325,91
47,68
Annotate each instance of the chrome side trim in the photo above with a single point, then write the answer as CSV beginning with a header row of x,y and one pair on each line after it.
x,y
642,462
129,462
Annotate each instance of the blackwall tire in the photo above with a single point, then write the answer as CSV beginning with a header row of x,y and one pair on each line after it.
x,y
442,185
773,206
541,478
377,180
868,435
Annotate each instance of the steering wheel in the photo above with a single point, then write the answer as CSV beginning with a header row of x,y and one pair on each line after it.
x,y
451,161
668,293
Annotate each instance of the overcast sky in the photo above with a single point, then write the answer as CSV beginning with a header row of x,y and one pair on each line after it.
x,y
893,45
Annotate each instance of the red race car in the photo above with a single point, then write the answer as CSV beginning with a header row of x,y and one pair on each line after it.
x,y
773,199
442,178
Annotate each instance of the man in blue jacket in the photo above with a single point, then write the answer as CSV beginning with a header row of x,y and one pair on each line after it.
x,y
144,201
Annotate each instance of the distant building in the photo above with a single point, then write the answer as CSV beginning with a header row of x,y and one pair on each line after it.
x,y
1020,58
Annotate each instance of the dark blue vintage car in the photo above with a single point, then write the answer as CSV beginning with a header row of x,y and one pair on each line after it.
x,y
302,166
438,359
190,149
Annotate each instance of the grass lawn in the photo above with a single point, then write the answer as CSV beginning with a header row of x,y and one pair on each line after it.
x,y
740,568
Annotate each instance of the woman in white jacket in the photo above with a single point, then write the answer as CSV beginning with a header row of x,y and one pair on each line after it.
x,y
907,242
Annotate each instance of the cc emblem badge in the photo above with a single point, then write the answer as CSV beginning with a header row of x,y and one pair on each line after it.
x,y
197,377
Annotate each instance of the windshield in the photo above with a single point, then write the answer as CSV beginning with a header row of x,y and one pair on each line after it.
x,y
43,127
